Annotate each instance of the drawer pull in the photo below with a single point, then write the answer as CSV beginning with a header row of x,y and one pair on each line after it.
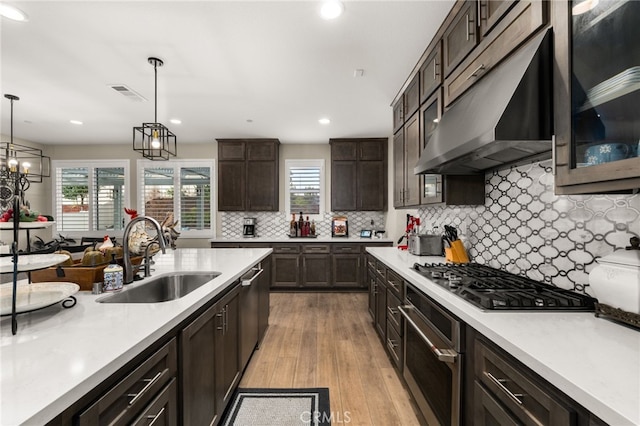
x,y
475,72
391,344
392,311
156,417
392,284
150,382
500,383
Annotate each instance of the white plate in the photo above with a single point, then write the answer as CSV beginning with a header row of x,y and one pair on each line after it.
x,y
31,262
35,296
26,225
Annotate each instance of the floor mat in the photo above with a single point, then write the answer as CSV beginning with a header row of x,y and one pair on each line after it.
x,y
282,407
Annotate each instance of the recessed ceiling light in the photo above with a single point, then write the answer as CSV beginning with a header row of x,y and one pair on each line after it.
x,y
175,121
584,7
249,120
76,122
13,13
324,121
331,9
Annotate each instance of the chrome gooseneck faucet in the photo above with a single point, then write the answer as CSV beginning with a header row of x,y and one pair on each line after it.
x,y
128,267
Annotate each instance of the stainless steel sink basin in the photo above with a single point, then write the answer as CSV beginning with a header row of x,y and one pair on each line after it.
x,y
161,289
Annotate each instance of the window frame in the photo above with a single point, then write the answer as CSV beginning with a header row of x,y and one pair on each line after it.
x,y
91,165
141,164
320,163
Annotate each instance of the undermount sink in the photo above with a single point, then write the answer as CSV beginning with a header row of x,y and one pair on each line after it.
x,y
161,289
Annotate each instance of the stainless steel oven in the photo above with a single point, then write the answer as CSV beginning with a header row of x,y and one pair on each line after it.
x,y
433,354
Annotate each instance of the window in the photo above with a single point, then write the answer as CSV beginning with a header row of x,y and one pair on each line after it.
x,y
305,186
90,195
191,207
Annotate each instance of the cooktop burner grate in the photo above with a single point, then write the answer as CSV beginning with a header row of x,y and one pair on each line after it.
x,y
494,289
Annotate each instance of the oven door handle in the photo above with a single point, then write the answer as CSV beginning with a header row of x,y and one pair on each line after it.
x,y
444,355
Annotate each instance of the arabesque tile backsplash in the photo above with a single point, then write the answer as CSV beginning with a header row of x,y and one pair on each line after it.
x,y
526,229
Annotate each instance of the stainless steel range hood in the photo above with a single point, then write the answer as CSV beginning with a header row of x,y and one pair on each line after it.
x,y
504,118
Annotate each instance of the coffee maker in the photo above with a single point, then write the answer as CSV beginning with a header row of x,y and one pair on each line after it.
x,y
249,227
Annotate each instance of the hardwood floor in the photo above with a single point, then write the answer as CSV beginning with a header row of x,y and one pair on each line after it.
x,y
328,340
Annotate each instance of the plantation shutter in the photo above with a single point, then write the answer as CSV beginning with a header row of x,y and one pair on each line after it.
x,y
158,192
195,197
304,189
72,190
109,191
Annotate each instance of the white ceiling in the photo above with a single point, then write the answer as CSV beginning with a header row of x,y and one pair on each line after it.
x,y
276,63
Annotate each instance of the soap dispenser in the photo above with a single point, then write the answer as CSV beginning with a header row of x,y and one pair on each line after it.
x,y
113,275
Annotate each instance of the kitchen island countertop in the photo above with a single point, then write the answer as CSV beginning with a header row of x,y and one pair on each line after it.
x,y
285,239
58,354
592,360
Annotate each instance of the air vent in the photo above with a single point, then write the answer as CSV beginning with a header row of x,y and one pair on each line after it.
x,y
127,92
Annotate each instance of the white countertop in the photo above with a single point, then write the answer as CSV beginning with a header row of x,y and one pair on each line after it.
x,y
593,360
285,239
58,354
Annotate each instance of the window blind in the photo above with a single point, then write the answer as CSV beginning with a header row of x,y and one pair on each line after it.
x,y
304,189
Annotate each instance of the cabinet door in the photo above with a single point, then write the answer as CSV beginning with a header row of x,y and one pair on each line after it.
x,y
398,114
398,169
344,186
412,96
489,412
430,114
163,410
231,186
264,284
285,270
460,37
491,11
597,97
411,155
227,365
344,150
346,270
372,149
262,150
372,284
381,308
316,270
372,186
231,150
431,73
262,187
198,348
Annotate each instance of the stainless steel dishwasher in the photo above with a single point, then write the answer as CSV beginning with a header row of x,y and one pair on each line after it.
x,y
249,296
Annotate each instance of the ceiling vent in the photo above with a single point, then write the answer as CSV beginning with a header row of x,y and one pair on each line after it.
x,y
127,92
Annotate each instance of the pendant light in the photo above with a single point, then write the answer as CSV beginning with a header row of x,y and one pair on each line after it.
x,y
154,140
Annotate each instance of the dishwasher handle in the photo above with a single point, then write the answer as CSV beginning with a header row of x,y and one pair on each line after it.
x,y
248,280
445,355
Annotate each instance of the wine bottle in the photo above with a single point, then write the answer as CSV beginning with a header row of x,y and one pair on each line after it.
x,y
292,225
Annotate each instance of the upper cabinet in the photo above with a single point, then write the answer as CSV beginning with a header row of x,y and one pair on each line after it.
x,y
597,96
491,11
430,75
248,174
359,174
460,37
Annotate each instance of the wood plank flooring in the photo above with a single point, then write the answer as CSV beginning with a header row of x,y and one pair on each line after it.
x,y
328,340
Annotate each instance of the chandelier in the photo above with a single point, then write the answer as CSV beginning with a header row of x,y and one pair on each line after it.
x,y
154,140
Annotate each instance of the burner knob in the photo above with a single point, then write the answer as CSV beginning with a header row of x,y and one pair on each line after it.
x,y
454,281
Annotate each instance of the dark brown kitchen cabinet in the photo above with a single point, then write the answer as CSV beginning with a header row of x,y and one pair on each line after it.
x,y
137,392
431,73
248,174
346,265
316,265
398,114
264,293
406,149
381,307
358,174
517,25
491,12
596,97
372,286
285,265
210,361
460,37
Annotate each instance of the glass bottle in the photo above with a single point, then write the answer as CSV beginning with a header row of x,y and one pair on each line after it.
x,y
292,225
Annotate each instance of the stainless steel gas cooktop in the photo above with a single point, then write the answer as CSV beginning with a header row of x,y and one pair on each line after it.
x,y
494,289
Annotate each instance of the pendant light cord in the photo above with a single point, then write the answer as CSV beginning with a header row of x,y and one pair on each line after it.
x,y
155,94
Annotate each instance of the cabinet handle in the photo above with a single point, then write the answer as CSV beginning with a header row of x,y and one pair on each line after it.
x,y
391,344
392,284
156,417
475,72
468,32
225,311
500,383
221,327
150,382
392,311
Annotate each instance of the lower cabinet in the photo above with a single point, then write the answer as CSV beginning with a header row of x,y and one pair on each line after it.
x,y
210,367
285,265
381,308
264,289
316,265
138,393
346,267
163,410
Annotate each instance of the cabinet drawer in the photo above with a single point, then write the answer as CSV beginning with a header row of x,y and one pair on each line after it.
x,y
395,284
393,313
286,248
487,411
127,398
315,248
510,385
523,21
346,248
394,345
163,410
